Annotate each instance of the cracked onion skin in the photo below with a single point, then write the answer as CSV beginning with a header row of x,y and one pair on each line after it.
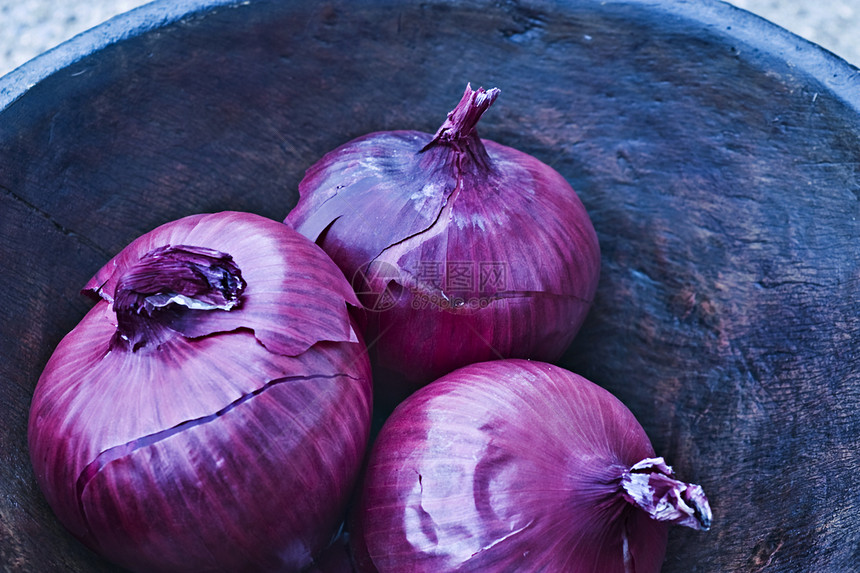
x,y
461,249
212,422
516,465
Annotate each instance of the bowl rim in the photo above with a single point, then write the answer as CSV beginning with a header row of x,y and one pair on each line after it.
x,y
134,22
837,74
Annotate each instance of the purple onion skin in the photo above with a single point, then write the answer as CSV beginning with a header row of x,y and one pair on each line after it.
x,y
510,465
462,249
213,440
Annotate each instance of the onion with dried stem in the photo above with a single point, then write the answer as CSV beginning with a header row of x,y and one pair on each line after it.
x,y
212,410
514,465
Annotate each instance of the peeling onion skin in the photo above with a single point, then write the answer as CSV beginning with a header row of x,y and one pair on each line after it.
x,y
462,249
222,440
512,465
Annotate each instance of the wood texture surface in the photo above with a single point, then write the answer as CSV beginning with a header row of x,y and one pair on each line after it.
x,y
717,155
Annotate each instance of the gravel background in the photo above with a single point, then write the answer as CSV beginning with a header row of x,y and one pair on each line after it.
x,y
30,27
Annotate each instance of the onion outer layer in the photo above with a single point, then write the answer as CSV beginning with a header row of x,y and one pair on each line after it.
x,y
225,435
462,249
517,465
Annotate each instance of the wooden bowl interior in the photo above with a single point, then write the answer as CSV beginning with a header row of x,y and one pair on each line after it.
x,y
716,154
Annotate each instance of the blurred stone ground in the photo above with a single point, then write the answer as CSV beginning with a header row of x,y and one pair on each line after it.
x,y
832,24
30,27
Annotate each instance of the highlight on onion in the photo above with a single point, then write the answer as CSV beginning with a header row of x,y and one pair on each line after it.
x,y
461,249
514,465
212,410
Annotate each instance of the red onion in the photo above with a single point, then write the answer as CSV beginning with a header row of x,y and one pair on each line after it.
x,y
461,249
520,466
211,412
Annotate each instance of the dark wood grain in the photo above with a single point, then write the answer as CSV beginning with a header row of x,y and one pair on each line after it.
x,y
717,154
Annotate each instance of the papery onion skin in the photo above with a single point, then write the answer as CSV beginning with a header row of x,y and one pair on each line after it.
x,y
508,465
462,249
228,440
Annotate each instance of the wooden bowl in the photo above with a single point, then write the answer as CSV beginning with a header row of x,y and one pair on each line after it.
x,y
717,154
